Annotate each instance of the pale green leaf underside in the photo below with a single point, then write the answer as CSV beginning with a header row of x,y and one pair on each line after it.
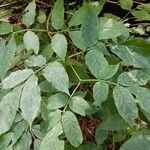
x,y
51,139
56,74
30,99
142,97
72,129
7,53
100,92
8,108
57,101
79,105
140,142
31,41
16,78
126,104
90,26
36,61
59,45
52,119
99,66
110,28
29,14
133,78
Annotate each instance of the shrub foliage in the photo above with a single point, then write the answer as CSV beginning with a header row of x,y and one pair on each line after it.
x,y
74,79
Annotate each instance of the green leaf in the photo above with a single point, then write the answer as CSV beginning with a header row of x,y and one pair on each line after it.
x,y
140,142
30,99
31,41
37,144
100,135
41,17
24,142
7,53
56,74
100,46
142,97
57,101
5,28
29,14
52,140
72,129
125,103
114,122
36,61
59,45
142,12
90,27
47,51
18,130
126,4
36,129
133,78
79,105
51,121
15,78
110,28
100,92
99,66
76,37
5,140
131,56
58,15
8,108
78,16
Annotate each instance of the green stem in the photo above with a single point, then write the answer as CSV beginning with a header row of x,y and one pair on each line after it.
x,y
75,73
76,54
71,96
8,4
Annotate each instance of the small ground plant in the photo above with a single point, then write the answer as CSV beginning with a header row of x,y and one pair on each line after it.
x,y
74,77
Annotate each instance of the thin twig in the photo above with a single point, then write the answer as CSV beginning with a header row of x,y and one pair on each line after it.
x,y
8,4
47,24
41,2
